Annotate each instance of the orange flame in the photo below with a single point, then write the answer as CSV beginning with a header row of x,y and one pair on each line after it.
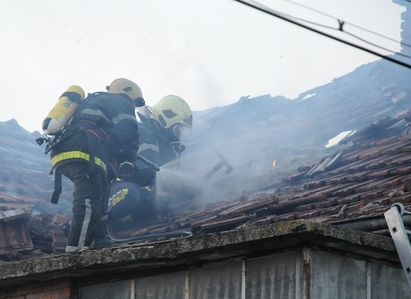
x,y
274,163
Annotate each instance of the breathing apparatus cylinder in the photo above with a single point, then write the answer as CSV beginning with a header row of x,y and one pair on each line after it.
x,y
61,113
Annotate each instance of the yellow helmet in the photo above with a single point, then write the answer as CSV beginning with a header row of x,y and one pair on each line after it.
x,y
127,87
173,113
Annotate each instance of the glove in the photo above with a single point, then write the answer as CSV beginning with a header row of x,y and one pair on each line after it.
x,y
146,176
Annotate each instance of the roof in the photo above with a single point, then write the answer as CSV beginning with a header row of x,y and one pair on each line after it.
x,y
350,185
355,184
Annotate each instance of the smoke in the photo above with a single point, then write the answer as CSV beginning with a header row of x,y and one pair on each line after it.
x,y
254,132
226,168
232,149
177,185
207,180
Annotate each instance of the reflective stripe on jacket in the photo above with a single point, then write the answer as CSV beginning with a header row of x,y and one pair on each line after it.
x,y
77,155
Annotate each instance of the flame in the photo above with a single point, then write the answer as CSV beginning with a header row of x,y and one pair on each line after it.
x,y
274,163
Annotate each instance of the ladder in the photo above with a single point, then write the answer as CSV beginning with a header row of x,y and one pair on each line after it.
x,y
399,235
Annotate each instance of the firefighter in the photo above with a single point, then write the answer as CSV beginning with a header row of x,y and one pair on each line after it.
x,y
103,133
127,202
160,127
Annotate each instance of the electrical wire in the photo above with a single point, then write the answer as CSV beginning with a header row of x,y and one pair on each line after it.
x,y
292,20
353,25
341,28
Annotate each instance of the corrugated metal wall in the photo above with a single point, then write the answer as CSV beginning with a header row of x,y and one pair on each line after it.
x,y
308,274
216,282
276,276
115,290
334,276
164,286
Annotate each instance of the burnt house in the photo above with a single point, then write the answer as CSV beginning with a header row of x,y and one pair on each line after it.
x,y
316,230
292,219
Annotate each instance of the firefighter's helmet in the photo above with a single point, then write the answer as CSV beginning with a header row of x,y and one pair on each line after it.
x,y
127,87
173,114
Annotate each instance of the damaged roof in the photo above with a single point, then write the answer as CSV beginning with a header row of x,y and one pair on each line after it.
x,y
351,184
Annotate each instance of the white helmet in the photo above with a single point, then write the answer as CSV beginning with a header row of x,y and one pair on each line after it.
x,y
127,87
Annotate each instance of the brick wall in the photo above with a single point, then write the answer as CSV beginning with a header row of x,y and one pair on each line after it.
x,y
53,289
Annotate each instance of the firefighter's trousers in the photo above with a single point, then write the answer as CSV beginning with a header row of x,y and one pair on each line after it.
x,y
88,192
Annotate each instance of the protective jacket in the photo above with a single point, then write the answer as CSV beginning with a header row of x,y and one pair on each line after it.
x,y
104,131
154,147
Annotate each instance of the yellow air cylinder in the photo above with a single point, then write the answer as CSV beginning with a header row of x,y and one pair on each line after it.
x,y
63,110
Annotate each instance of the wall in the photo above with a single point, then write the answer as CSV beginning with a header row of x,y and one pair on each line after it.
x,y
53,289
302,274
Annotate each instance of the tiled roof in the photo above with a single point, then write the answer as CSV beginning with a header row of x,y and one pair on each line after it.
x,y
351,186
358,182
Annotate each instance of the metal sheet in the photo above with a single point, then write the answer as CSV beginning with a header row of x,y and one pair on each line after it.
x,y
170,286
387,282
276,276
217,282
115,290
337,276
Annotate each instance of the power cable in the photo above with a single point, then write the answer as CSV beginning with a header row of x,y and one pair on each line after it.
x,y
281,16
344,22
341,24
341,29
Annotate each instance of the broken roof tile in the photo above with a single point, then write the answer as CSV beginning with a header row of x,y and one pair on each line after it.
x,y
224,224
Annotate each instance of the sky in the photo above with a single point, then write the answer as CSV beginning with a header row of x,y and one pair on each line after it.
x,y
209,52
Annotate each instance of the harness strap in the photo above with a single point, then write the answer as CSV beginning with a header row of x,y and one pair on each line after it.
x,y
74,96
92,158
57,187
